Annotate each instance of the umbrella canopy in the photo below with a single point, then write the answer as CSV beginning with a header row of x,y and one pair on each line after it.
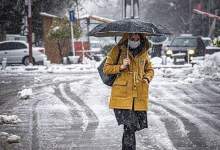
x,y
96,29
156,40
118,28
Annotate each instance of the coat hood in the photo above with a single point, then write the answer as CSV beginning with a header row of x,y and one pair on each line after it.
x,y
124,40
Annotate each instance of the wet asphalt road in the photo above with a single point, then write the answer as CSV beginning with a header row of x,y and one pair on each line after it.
x,y
70,112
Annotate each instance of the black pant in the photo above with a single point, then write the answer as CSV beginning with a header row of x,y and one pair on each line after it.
x,y
128,139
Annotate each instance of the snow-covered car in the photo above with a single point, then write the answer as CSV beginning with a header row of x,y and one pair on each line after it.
x,y
17,52
183,47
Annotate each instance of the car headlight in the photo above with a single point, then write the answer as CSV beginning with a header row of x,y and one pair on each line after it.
x,y
191,51
169,52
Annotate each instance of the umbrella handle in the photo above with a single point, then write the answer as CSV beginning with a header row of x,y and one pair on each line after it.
x,y
127,54
128,58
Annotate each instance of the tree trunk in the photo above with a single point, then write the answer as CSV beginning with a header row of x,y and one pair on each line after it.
x,y
60,50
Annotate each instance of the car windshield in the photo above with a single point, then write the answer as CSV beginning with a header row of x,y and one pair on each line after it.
x,y
184,42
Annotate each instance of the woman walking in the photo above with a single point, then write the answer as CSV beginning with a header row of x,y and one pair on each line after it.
x,y
129,95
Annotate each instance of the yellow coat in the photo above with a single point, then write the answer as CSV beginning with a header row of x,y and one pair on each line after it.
x,y
129,83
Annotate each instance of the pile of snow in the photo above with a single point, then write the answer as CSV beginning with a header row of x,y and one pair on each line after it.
x,y
10,138
210,68
9,119
37,80
4,134
25,93
169,60
13,139
156,61
174,72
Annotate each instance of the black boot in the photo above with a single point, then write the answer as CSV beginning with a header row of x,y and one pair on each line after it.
x,y
128,140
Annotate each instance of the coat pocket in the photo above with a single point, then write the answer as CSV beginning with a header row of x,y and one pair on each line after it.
x,y
119,88
120,83
143,89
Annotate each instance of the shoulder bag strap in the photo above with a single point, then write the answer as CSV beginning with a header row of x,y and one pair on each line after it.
x,y
119,53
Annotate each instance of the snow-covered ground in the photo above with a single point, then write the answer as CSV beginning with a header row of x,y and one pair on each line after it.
x,y
208,68
68,108
203,68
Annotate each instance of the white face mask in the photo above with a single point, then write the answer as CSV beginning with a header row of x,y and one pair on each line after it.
x,y
134,44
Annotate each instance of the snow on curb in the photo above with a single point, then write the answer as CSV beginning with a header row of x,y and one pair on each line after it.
x,y
54,68
5,119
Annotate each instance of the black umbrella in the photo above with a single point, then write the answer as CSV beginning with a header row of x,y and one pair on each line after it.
x,y
157,39
96,29
117,28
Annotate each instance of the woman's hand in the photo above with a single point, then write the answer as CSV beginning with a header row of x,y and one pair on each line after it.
x,y
146,80
126,63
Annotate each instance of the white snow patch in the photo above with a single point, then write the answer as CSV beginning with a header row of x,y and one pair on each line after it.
x,y
9,119
5,82
4,134
168,73
56,107
156,61
169,61
189,80
210,68
37,80
55,28
49,89
95,94
79,109
185,110
159,132
166,115
25,93
13,139
89,66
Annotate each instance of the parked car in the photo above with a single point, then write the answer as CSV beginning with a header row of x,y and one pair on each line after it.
x,y
17,52
95,47
210,48
207,41
182,48
156,45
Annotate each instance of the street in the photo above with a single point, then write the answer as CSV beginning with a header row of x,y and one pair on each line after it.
x,y
166,55
70,112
